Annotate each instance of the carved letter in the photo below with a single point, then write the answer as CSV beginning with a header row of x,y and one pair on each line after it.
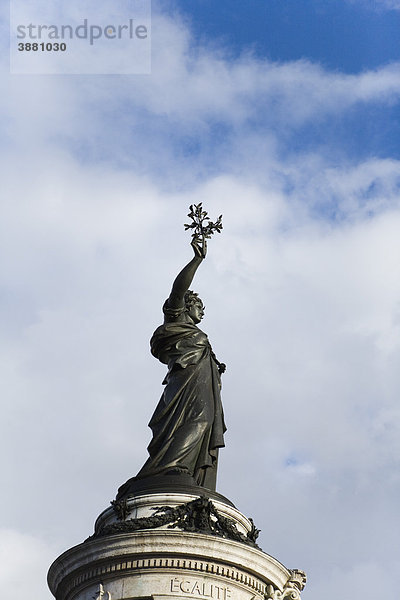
x,y
185,586
207,591
175,585
196,588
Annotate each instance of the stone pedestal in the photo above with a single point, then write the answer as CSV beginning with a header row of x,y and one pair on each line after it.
x,y
172,546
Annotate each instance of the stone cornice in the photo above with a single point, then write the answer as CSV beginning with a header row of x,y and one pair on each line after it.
x,y
170,550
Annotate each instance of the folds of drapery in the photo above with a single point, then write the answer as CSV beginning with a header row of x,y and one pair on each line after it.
x,y
188,423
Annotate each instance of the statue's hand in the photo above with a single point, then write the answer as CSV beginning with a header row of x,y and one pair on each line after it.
x,y
199,247
222,368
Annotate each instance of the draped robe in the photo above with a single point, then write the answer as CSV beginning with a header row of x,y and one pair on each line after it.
x,y
188,423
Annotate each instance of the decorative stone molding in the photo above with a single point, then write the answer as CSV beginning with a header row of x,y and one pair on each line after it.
x,y
298,579
292,588
153,558
152,564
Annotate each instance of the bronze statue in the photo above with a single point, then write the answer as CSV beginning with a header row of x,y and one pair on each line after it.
x,y
188,423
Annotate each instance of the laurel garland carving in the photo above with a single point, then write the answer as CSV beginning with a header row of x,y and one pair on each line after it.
x,y
197,516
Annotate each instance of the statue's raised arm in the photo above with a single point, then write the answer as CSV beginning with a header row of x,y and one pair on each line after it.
x,y
183,280
188,423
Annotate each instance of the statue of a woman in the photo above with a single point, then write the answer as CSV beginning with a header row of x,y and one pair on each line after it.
x,y
188,423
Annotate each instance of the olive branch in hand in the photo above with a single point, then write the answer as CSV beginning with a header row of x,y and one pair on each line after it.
x,y
203,228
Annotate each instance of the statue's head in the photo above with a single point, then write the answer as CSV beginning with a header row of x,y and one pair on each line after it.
x,y
194,306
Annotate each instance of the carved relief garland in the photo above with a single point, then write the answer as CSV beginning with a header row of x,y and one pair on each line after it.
x,y
197,516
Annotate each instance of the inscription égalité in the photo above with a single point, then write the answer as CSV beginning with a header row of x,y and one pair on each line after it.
x,y
205,589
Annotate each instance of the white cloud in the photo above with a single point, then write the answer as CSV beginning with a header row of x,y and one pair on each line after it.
x,y
357,580
23,571
189,89
312,312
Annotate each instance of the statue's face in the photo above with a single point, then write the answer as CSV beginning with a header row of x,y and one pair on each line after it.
x,y
196,312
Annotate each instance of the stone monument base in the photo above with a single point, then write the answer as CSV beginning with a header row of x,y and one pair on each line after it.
x,y
172,546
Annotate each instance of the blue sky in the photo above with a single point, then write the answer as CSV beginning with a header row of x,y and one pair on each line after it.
x,y
284,116
345,38
349,36
341,36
